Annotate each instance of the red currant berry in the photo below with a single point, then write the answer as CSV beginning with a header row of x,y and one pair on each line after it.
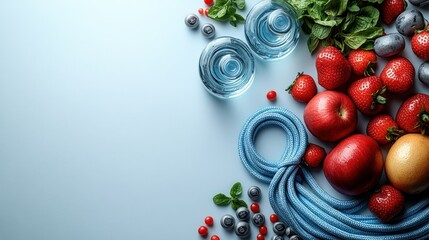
x,y
254,207
203,231
215,237
208,2
206,12
260,237
272,95
274,218
201,11
209,220
263,230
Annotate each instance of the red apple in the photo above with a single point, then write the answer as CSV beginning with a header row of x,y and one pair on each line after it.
x,y
330,116
354,165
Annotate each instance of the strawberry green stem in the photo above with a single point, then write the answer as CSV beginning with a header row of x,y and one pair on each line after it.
x,y
370,69
378,98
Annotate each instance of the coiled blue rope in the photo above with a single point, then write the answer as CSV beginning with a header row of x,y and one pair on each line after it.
x,y
299,201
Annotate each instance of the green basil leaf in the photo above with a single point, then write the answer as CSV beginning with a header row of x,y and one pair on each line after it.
x,y
221,199
312,43
236,190
320,32
240,4
237,203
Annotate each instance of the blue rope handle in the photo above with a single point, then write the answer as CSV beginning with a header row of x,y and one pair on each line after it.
x,y
299,201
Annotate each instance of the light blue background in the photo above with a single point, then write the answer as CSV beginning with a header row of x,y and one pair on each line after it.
x,y
106,131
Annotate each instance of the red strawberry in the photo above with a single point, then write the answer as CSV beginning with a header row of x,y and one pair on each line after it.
x,y
333,69
314,155
383,129
363,62
413,114
390,9
420,44
303,88
368,94
386,203
398,75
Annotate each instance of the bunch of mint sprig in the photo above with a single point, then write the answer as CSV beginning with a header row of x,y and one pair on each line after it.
x,y
345,24
226,10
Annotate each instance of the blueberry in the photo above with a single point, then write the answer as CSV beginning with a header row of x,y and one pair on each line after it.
x,y
389,45
243,213
254,193
423,73
409,21
192,21
227,222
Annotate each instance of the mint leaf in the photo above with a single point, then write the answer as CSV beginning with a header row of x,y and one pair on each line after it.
x,y
237,203
353,8
231,11
236,190
300,5
350,18
372,32
339,45
240,4
239,17
332,7
320,32
307,25
312,43
343,6
233,21
217,12
370,12
224,10
221,199
328,23
368,45
316,12
221,2
374,1
354,42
